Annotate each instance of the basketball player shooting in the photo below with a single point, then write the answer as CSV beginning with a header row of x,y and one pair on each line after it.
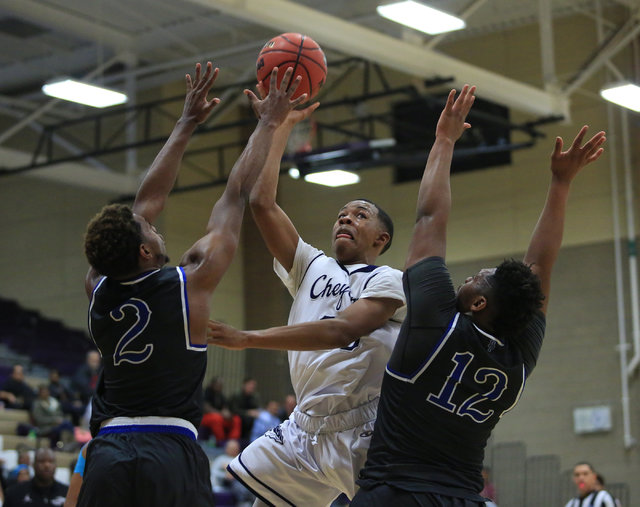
x,y
149,320
343,323
462,357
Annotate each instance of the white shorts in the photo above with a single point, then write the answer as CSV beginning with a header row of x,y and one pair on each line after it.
x,y
308,461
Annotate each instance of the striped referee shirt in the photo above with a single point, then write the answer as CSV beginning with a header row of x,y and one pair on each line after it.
x,y
594,499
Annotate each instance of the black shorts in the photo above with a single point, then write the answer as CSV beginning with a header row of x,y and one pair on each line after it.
x,y
145,469
384,495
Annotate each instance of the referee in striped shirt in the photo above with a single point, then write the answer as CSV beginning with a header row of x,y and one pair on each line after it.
x,y
589,495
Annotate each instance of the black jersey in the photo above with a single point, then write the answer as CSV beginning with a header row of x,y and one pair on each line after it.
x,y
446,386
150,366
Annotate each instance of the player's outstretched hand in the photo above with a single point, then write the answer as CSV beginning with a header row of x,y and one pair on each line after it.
x,y
566,164
196,106
275,107
223,335
452,122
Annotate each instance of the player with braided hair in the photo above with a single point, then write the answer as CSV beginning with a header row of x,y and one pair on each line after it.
x,y
461,358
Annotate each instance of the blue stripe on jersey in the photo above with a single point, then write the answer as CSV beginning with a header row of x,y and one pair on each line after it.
x,y
368,280
258,481
366,269
305,271
411,378
148,428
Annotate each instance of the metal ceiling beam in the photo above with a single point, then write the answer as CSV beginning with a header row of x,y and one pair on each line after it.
x,y
56,17
73,173
331,31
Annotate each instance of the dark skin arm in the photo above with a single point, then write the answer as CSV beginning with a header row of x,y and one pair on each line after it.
x,y
359,319
154,190
208,259
434,196
547,235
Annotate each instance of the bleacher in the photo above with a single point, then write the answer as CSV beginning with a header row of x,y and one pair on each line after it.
x,y
39,344
10,442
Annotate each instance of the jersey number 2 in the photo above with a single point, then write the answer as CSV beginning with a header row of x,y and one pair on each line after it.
x,y
123,350
496,380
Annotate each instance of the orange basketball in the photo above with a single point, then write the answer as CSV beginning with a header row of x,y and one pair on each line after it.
x,y
297,51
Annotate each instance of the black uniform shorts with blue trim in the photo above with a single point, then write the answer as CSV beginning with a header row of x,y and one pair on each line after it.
x,y
385,495
145,469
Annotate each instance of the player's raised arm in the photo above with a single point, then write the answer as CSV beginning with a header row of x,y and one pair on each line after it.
x,y
547,235
160,178
277,230
208,259
434,196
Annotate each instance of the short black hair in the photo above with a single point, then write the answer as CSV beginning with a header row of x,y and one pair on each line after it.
x,y
112,241
518,295
385,220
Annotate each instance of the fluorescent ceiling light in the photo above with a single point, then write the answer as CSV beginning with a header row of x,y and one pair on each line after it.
x,y
334,178
624,94
420,17
83,93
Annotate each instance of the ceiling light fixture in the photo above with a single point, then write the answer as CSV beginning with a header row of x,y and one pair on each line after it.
x,y
333,178
83,93
624,94
420,17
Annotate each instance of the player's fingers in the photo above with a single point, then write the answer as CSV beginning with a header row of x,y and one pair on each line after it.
x,y
450,99
557,149
198,71
294,85
261,91
273,80
187,79
578,140
284,85
299,100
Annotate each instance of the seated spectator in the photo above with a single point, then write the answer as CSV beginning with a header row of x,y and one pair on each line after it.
x,y
214,398
43,489
48,420
20,473
247,404
223,481
267,419
84,382
71,405
16,393
287,407
223,425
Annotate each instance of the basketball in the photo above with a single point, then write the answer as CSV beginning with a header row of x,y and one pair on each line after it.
x,y
297,51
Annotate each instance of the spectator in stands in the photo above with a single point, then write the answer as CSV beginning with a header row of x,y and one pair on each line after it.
x,y
223,482
16,393
214,398
223,425
85,380
41,491
267,419
287,407
600,487
247,404
24,463
489,490
71,405
48,419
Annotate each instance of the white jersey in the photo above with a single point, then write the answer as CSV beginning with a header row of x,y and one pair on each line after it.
x,y
332,381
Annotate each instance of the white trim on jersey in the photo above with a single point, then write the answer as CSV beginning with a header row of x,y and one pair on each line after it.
x,y
185,313
491,337
93,300
434,353
138,280
524,379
